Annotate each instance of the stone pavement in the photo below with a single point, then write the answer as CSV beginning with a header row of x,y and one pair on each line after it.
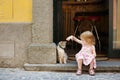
x,y
20,74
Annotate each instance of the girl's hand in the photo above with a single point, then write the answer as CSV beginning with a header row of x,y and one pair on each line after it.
x,y
69,38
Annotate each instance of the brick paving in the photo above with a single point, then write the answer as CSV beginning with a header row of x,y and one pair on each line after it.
x,y
20,74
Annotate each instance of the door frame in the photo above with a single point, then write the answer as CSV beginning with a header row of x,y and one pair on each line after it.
x,y
57,35
112,53
57,21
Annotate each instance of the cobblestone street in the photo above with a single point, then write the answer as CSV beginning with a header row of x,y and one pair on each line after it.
x,y
19,74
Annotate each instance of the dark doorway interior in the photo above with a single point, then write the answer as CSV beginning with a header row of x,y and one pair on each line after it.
x,y
72,18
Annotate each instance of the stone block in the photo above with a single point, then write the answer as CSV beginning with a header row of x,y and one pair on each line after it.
x,y
42,53
7,49
7,53
14,41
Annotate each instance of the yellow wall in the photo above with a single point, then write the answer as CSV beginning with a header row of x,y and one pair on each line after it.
x,y
15,10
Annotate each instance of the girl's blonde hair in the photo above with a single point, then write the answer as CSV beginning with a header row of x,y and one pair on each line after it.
x,y
88,37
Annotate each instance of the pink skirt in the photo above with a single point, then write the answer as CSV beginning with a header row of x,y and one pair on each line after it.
x,y
87,58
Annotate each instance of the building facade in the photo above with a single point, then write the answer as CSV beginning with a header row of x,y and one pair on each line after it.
x,y
28,28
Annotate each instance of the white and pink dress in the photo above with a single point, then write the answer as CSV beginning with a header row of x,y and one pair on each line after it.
x,y
86,54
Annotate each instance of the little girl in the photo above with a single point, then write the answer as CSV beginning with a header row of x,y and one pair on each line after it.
x,y
87,53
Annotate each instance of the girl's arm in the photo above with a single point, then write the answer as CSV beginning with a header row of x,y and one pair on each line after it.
x,y
74,39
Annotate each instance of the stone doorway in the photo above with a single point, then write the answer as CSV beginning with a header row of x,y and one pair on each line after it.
x,y
68,10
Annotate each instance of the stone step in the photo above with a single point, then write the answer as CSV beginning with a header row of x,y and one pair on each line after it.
x,y
72,66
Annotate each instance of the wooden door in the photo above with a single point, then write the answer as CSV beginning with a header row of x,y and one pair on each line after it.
x,y
64,25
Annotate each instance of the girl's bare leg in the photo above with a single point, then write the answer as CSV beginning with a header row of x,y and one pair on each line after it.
x,y
91,70
79,71
92,64
80,64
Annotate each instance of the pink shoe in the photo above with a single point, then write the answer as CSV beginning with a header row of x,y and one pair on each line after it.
x,y
79,72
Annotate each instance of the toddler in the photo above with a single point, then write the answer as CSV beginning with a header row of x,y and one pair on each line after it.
x,y
87,53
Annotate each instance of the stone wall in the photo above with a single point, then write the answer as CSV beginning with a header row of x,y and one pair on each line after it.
x,y
14,40
32,43
42,50
42,29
